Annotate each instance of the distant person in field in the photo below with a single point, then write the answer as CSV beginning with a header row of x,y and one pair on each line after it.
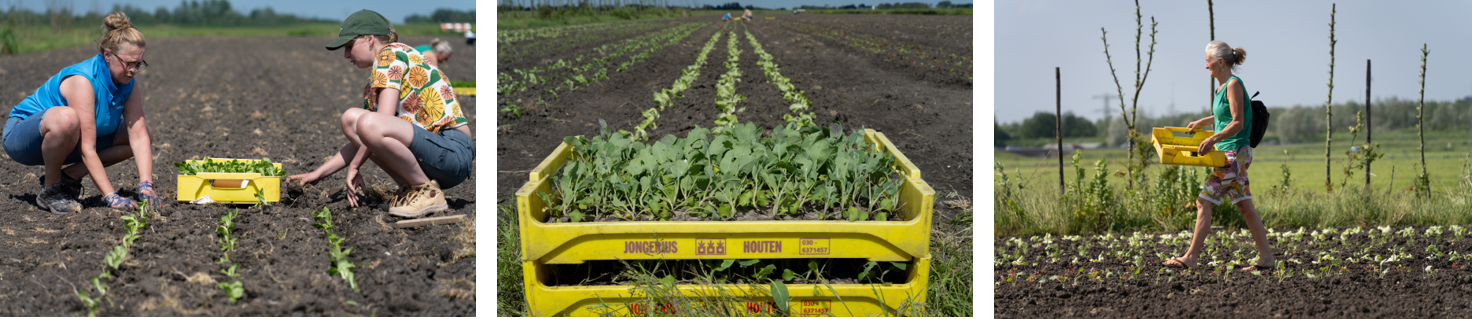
x,y
746,15
727,17
410,123
437,51
1233,119
86,116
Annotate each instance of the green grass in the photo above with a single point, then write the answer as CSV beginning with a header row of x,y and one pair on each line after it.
x,y
1305,162
949,291
949,12
1038,207
42,38
510,20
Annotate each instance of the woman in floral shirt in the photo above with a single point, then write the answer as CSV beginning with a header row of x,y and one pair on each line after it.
x,y
410,123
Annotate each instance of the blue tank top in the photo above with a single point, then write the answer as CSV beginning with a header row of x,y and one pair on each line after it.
x,y
110,96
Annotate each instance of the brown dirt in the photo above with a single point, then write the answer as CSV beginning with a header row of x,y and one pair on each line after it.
x,y
246,97
1362,289
929,120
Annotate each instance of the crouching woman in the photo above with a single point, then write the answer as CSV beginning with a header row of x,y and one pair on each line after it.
x,y
86,116
410,123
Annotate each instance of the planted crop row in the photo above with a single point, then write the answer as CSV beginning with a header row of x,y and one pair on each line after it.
x,y
535,78
664,97
341,266
133,224
726,97
927,57
812,173
800,103
1322,253
513,53
505,37
233,290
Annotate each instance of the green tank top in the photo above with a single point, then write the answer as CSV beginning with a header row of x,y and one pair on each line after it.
x,y
1221,109
422,49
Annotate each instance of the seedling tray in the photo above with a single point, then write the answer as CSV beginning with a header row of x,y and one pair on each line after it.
x,y
1176,146
851,300
229,188
574,243
465,91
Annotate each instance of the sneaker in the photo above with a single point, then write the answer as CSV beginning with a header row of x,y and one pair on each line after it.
x,y
398,195
58,200
72,187
420,200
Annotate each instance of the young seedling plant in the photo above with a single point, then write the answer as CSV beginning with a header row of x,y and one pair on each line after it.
x,y
233,290
133,224
340,264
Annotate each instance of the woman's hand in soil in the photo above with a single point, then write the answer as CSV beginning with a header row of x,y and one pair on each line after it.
x,y
304,179
115,201
147,195
355,183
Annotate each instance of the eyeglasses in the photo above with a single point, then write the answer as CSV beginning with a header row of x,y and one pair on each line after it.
x,y
139,65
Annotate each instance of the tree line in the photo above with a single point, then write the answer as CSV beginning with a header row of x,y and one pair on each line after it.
x,y
1293,124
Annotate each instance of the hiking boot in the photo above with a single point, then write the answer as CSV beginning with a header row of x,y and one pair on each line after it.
x,y
420,200
397,196
58,200
72,187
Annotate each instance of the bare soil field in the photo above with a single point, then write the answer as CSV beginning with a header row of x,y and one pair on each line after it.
x,y
236,97
926,113
1370,272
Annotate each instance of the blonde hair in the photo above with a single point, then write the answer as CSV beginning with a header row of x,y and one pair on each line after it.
x,y
1232,56
116,30
440,47
385,39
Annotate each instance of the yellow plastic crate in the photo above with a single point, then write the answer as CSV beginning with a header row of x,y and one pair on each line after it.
x,y
851,300
574,243
464,91
229,188
1176,146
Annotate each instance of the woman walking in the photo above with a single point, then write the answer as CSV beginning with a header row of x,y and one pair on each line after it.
x,y
410,123
86,116
1233,119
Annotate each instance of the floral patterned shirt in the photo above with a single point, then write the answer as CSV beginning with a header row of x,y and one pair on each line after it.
x,y
425,96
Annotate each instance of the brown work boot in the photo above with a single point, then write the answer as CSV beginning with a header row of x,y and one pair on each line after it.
x,y
420,200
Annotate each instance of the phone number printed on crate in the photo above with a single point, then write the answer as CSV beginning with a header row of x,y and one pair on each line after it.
x,y
814,246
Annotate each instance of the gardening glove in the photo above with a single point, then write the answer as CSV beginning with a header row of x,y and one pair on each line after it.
x,y
147,195
115,201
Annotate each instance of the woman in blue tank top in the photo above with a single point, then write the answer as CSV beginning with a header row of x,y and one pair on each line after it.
x,y
86,116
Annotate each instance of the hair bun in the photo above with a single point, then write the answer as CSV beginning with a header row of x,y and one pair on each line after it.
x,y
116,21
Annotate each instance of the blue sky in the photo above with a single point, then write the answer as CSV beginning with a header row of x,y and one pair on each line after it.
x,y
1287,45
325,9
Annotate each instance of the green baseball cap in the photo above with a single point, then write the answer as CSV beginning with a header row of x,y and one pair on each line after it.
x,y
359,23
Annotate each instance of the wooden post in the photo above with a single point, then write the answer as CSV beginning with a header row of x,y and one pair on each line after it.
x,y
1368,115
1210,81
1058,133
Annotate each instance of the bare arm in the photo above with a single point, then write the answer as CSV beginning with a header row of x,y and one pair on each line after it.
x,y
80,97
138,138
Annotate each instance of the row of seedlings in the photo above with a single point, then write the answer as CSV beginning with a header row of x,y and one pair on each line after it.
x,y
726,97
664,98
514,53
800,103
133,224
341,265
507,83
576,77
233,289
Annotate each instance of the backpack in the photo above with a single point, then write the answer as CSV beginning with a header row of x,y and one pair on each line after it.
x,y
1259,120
